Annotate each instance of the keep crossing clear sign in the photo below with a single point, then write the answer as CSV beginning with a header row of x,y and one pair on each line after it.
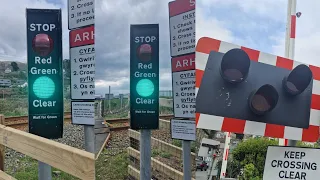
x,y
291,163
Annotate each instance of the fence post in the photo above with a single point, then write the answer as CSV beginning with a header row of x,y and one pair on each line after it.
x,y
2,147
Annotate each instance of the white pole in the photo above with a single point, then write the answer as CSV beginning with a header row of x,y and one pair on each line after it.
x,y
225,155
290,47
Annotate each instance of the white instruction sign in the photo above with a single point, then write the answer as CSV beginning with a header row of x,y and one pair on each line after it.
x,y
83,113
291,163
82,61
81,13
184,93
183,85
183,129
182,32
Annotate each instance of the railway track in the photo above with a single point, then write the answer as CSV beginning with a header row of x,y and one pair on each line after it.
x,y
123,123
21,122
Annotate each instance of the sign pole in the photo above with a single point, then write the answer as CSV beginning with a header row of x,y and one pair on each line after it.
x,y
44,171
109,99
186,149
290,40
89,138
182,51
145,154
82,54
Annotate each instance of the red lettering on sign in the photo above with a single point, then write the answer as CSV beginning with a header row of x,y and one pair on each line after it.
x,y
82,37
180,6
183,63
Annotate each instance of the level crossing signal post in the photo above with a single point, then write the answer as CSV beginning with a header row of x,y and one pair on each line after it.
x,y
245,91
251,96
45,76
144,88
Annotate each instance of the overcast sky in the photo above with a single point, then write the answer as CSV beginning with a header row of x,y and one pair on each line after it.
x,y
255,24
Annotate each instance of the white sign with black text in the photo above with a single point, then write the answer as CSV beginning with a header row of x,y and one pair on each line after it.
x,y
184,93
82,61
291,163
183,129
81,13
83,113
182,32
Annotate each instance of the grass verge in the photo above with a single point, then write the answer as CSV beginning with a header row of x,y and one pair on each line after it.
x,y
111,167
29,171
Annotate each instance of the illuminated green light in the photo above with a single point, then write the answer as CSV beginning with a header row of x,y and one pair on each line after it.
x,y
145,87
43,87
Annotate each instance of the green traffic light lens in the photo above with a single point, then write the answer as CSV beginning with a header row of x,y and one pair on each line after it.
x,y
145,87
43,87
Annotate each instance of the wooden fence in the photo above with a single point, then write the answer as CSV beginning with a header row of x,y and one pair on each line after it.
x,y
158,166
71,160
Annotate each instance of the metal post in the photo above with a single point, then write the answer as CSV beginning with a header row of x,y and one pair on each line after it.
x,y
290,40
89,138
109,99
44,171
211,164
186,149
225,155
121,101
145,154
89,132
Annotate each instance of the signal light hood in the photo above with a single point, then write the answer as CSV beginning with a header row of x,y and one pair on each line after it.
x,y
263,100
298,80
235,66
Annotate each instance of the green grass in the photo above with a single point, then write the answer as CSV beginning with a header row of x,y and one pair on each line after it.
x,y
165,155
165,110
115,104
118,115
112,167
30,172
19,106
179,144
156,152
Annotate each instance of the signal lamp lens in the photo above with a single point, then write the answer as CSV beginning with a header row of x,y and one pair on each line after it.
x,y
298,80
263,100
145,87
42,44
144,52
235,66
43,87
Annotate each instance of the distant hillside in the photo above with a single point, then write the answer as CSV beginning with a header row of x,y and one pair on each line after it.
x,y
7,64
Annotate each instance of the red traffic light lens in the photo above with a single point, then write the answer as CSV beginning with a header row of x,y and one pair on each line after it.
x,y
235,66
298,80
42,44
263,100
144,52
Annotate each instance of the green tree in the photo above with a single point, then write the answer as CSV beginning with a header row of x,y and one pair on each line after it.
x,y
233,168
15,66
253,151
66,67
250,172
22,75
303,144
